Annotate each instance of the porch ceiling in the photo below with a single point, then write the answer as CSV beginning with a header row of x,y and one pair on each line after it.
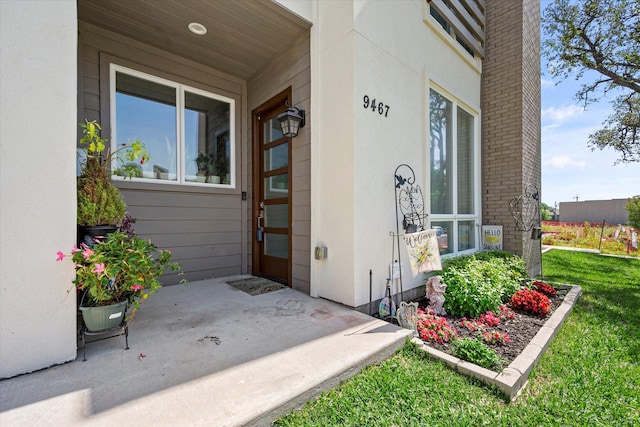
x,y
243,35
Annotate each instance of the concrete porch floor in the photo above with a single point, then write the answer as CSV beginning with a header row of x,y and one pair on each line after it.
x,y
213,355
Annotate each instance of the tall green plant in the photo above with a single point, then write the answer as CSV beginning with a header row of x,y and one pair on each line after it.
x,y
99,201
481,282
469,292
99,156
633,207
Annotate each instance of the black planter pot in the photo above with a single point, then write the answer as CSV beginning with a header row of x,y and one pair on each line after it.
x,y
89,234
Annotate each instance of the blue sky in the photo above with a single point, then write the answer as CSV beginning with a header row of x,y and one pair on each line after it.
x,y
569,167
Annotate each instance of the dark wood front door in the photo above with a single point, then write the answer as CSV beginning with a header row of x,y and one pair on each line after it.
x,y
271,195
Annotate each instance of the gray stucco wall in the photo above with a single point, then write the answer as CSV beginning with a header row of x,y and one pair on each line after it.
x,y
37,184
611,211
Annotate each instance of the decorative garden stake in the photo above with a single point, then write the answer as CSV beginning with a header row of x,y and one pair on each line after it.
x,y
409,200
525,210
409,204
435,294
407,316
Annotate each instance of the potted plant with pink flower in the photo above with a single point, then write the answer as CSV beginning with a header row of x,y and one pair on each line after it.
x,y
116,275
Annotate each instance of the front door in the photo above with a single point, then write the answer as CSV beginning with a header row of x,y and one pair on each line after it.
x,y
271,195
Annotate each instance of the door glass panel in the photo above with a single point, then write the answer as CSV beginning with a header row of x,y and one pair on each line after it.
x,y
276,186
276,245
276,216
273,243
276,157
272,131
443,231
147,111
466,235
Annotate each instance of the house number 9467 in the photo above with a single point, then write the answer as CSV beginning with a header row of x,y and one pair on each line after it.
x,y
381,108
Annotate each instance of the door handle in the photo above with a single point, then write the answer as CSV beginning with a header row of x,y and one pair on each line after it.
x,y
259,229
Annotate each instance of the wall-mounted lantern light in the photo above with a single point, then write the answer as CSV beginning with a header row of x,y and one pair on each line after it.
x,y
536,233
291,121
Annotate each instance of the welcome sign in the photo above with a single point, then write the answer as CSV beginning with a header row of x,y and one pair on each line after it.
x,y
491,237
423,251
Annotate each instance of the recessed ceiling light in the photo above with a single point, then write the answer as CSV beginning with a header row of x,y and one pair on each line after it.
x,y
197,29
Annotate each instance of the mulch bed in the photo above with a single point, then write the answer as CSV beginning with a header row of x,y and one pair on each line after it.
x,y
521,330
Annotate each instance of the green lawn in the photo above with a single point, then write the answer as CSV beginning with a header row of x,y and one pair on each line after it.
x,y
590,375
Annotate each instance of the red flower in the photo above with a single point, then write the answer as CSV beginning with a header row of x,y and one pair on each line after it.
x,y
495,338
434,328
489,319
531,301
506,313
544,288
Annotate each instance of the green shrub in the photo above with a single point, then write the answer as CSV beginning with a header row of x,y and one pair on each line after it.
x,y
518,268
477,352
481,282
633,207
99,203
469,293
516,262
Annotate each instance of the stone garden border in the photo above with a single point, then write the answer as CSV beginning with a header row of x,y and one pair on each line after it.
x,y
514,377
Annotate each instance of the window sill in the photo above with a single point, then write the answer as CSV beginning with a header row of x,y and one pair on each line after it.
x,y
171,187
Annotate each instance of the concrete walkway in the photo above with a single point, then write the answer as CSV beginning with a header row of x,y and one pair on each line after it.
x,y
547,248
205,354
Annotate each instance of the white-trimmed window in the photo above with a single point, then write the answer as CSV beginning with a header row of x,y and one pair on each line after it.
x,y
188,132
454,173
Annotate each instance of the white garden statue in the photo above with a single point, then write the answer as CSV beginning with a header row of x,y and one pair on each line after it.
x,y
435,294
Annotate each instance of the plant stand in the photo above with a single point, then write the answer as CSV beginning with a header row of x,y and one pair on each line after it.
x,y
116,331
409,212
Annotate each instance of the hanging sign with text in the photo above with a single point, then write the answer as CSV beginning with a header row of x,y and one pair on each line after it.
x,y
491,237
423,251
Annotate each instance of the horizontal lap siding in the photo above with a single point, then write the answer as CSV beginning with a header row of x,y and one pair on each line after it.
x,y
202,227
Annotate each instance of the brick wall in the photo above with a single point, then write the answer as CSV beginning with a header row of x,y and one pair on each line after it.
x,y
511,117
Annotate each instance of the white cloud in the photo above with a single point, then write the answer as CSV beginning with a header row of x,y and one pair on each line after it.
x,y
546,82
563,162
562,113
